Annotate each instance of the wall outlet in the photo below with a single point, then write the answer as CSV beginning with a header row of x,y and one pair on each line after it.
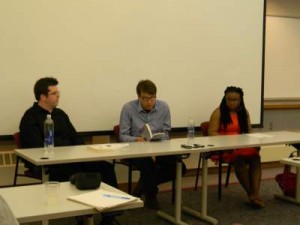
x,y
271,126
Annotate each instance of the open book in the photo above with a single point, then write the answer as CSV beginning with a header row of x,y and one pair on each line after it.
x,y
101,199
149,136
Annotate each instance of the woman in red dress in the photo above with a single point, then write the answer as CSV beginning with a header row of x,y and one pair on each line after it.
x,y
231,118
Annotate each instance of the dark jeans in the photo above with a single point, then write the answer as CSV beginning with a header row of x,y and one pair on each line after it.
x,y
155,173
106,169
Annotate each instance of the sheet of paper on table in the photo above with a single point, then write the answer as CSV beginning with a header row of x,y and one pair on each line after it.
x,y
113,146
260,135
101,199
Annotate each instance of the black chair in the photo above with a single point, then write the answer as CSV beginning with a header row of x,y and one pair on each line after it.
x,y
217,156
297,146
26,173
131,168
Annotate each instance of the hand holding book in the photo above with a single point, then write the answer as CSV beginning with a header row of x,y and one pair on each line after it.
x,y
149,136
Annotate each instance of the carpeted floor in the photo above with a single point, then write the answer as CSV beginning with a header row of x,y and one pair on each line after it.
x,y
232,209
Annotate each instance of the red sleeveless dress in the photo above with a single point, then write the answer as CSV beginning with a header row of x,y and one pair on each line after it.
x,y
233,129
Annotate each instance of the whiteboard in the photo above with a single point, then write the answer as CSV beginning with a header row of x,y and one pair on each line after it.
x,y
100,49
282,67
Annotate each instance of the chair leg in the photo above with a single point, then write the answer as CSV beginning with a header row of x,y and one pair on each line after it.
x,y
220,177
173,191
198,171
129,178
16,170
114,163
228,174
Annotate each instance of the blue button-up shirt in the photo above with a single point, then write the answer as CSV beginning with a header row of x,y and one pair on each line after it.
x,y
133,119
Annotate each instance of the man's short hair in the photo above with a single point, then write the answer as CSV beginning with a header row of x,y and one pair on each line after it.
x,y
41,87
146,86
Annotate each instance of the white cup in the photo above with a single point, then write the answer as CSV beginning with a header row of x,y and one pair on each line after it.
x,y
52,192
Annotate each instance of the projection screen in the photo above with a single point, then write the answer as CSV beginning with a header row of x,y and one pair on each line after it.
x,y
100,49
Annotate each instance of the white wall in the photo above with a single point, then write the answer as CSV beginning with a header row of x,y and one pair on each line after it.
x,y
100,49
282,68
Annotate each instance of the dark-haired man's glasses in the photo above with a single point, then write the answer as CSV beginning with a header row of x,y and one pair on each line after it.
x,y
150,98
57,93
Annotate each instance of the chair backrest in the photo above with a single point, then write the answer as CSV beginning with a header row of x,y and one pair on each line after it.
x,y
117,132
204,128
17,139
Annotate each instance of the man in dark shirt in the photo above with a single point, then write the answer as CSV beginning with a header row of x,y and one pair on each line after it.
x,y
32,135
32,127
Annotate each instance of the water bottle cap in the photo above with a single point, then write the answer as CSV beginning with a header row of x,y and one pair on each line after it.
x,y
48,116
191,121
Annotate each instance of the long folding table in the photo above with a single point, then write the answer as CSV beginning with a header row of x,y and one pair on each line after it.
x,y
86,153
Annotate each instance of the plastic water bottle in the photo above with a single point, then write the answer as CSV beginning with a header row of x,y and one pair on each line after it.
x,y
49,135
191,132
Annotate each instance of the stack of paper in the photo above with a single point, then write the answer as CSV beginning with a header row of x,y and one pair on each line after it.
x,y
101,199
259,135
113,146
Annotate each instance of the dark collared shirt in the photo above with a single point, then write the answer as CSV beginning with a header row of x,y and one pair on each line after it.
x,y
32,128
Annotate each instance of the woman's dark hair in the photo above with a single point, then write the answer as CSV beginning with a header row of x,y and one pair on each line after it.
x,y
146,86
241,111
41,87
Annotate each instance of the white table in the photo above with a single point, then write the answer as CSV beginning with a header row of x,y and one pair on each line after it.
x,y
82,153
233,142
170,147
29,204
296,163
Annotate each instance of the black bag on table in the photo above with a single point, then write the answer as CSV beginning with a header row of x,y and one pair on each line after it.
x,y
86,181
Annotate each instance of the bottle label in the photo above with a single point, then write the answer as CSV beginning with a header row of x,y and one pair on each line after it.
x,y
49,139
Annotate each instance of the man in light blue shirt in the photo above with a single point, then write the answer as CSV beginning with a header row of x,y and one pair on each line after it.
x,y
134,115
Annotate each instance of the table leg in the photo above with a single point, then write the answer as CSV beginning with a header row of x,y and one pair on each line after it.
x,y
177,217
45,176
297,194
89,220
203,214
298,185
